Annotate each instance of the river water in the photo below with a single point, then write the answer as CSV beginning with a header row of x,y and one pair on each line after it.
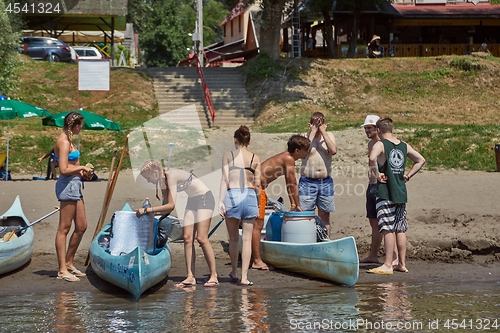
x,y
388,307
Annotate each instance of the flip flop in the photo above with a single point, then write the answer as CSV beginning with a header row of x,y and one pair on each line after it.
x,y
184,285
378,271
263,268
68,278
211,284
77,272
248,284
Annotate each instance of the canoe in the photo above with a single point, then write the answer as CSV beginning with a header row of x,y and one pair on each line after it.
x,y
135,271
333,260
16,251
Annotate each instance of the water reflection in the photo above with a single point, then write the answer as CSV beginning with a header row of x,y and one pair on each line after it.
x,y
68,316
253,311
221,309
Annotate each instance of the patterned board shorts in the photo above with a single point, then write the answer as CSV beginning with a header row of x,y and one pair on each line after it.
x,y
391,216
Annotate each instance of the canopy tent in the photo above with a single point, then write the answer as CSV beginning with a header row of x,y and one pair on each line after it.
x,y
73,37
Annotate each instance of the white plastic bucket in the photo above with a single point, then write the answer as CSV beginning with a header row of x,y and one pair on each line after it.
x,y
298,227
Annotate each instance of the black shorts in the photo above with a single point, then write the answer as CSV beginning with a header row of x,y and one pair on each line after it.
x,y
203,201
371,201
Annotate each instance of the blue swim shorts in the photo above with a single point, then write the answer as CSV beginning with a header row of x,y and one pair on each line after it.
x,y
69,188
241,204
316,193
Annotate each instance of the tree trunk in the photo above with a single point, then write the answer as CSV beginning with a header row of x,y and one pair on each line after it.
x,y
351,53
330,42
269,42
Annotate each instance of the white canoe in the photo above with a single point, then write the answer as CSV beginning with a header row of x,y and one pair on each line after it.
x,y
18,250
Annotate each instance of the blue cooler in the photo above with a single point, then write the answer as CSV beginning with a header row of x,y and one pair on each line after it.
x,y
299,227
273,227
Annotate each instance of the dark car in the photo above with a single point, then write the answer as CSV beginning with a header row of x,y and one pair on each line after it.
x,y
41,48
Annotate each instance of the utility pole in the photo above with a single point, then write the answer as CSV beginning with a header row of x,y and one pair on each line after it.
x,y
198,36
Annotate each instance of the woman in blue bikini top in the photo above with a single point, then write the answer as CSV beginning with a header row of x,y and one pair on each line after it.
x,y
68,192
197,215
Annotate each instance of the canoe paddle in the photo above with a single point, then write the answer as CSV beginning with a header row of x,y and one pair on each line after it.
x,y
20,231
215,227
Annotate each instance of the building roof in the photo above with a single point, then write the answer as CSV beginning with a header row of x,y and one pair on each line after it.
x,y
449,10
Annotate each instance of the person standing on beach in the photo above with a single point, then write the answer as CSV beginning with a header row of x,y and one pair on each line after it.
x,y
316,186
387,162
69,194
52,164
370,126
238,201
197,216
272,168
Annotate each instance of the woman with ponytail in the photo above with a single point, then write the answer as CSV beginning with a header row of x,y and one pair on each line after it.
x,y
69,194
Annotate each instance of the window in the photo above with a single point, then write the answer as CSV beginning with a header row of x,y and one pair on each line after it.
x,y
232,34
239,24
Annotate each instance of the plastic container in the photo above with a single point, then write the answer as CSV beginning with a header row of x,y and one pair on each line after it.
x,y
273,228
299,227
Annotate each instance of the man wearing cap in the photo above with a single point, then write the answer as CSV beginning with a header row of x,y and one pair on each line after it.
x,y
316,186
370,126
374,48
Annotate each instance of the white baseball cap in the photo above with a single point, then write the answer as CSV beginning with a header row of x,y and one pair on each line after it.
x,y
370,120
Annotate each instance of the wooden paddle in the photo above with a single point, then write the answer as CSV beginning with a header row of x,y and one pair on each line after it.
x,y
108,195
19,232
215,227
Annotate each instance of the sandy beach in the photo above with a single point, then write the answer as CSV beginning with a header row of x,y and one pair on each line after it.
x,y
453,217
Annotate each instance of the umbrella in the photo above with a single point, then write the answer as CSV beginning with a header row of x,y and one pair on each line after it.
x,y
92,121
10,109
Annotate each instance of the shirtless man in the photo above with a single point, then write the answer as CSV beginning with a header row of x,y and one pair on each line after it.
x,y
282,164
316,184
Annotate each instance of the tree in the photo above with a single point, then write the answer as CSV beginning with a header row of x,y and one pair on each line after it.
x,y
164,27
9,42
325,6
269,42
357,7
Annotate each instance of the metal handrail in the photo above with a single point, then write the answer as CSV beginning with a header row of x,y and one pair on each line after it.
x,y
206,92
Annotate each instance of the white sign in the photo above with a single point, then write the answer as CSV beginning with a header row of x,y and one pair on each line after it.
x,y
93,74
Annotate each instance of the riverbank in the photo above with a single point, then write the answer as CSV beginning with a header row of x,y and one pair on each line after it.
x,y
452,237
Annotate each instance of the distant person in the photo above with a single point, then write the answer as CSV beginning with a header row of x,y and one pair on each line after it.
x,y
52,164
484,48
316,186
387,162
238,201
282,164
371,191
198,214
69,194
375,50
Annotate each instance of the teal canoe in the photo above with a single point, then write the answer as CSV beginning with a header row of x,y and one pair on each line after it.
x,y
17,251
334,260
135,271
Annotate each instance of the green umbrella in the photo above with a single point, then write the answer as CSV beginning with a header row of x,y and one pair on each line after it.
x,y
10,109
92,121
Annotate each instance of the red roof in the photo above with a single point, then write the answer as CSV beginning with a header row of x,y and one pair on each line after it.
x,y
235,12
464,10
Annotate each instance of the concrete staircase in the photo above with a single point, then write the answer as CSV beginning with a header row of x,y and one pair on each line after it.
x,y
179,87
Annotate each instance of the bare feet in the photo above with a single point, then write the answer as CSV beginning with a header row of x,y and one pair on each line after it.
x,y
400,269
369,260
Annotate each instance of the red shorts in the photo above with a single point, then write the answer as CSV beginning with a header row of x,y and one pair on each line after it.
x,y
262,205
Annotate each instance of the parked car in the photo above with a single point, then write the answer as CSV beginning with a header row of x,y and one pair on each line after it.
x,y
41,48
87,52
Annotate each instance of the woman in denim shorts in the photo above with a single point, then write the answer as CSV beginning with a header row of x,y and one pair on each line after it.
x,y
239,197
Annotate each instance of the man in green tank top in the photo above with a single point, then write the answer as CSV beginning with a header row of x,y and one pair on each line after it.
x,y
387,162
